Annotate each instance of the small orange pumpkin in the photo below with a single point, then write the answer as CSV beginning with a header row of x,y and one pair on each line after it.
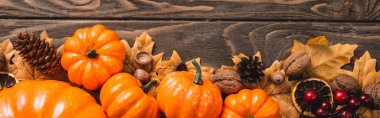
x,y
250,103
92,55
182,94
47,99
121,96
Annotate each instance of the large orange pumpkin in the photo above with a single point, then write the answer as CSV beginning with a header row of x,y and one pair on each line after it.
x,y
250,103
122,96
92,55
47,99
182,94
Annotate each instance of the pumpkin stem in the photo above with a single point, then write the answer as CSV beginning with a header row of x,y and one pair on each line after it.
x,y
250,116
92,53
146,87
198,76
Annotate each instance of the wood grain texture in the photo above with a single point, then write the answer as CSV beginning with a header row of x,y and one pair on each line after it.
x,y
215,42
194,9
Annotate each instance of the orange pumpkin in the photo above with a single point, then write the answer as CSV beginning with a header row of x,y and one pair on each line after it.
x,y
250,103
182,94
122,96
92,55
47,99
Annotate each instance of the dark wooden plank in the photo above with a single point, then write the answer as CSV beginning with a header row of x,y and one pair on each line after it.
x,y
215,42
194,9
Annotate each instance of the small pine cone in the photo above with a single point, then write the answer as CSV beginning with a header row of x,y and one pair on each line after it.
x,y
250,70
38,53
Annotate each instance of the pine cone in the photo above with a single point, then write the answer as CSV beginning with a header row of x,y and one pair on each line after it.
x,y
38,53
250,70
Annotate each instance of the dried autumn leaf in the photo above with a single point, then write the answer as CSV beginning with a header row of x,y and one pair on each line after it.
x,y
287,110
326,61
236,59
207,72
164,67
143,43
271,88
364,70
21,69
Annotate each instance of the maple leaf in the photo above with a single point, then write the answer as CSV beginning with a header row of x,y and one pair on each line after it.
x,y
364,70
326,60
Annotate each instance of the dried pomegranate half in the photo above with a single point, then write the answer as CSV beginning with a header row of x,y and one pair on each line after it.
x,y
309,94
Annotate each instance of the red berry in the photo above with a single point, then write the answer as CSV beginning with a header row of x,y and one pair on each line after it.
x,y
310,96
340,97
325,105
321,112
354,103
365,99
345,114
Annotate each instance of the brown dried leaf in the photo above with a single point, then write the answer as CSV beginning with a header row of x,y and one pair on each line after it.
x,y
207,72
161,68
287,110
326,61
143,43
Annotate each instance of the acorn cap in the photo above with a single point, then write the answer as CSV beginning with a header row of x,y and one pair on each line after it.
x,y
143,58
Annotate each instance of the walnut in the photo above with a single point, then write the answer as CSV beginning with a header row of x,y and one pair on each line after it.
x,y
373,90
346,83
296,64
228,81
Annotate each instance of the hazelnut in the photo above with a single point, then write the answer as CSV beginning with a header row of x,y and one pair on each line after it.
x,y
228,81
373,90
277,78
143,58
346,83
142,75
296,63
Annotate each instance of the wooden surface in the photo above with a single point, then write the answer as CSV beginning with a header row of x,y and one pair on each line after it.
x,y
347,10
215,42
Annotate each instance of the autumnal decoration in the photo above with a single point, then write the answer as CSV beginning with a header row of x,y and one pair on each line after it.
x,y
250,104
39,53
47,98
307,93
180,91
345,82
122,96
277,78
326,60
91,60
3,62
7,80
373,90
250,69
142,75
296,64
228,81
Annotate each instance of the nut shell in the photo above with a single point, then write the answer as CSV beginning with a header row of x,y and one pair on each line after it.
x,y
142,75
373,90
346,83
296,63
277,78
228,81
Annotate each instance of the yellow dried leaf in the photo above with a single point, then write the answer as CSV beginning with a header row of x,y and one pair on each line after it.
x,y
143,43
236,59
326,61
271,88
287,110
164,67
207,72
364,70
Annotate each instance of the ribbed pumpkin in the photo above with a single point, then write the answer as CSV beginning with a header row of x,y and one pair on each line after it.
x,y
182,94
122,96
47,99
92,55
250,103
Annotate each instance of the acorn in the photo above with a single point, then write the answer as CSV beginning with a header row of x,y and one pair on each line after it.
x,y
277,78
142,75
144,60
228,81
373,90
346,83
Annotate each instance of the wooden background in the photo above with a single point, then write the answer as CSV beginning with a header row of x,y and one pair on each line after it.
x,y
211,29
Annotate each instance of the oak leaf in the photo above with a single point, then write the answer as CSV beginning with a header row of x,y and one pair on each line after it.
x,y
326,60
